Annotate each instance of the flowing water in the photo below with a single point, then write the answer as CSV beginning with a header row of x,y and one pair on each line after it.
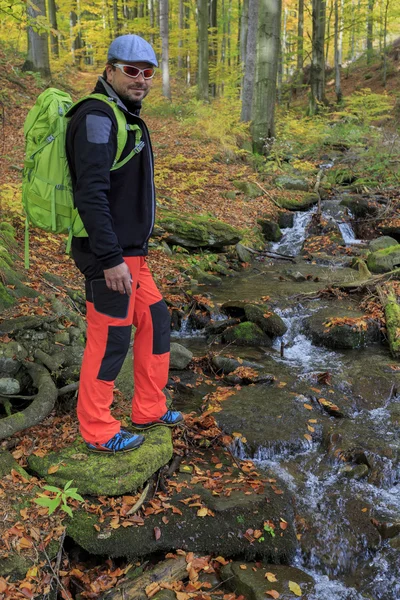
x,y
338,545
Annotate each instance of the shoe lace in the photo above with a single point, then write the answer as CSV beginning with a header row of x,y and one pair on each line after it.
x,y
119,439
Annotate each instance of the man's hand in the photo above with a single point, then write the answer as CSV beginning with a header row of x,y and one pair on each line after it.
x,y
119,279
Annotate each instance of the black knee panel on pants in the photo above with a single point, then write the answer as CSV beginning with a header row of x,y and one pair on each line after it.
x,y
161,327
118,340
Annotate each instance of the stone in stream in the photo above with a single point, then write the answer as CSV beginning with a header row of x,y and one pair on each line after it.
x,y
382,242
292,183
227,364
268,321
301,201
243,254
285,220
246,334
109,475
384,260
180,356
273,420
342,328
270,230
360,207
200,517
250,580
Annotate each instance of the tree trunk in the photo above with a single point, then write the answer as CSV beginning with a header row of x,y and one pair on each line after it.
x,y
300,36
164,33
213,47
331,6
181,25
370,30
338,89
268,42
203,75
385,20
38,43
244,25
117,22
53,23
317,73
250,65
389,302
75,37
151,18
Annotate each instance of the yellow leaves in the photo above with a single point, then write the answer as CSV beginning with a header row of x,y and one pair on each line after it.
x,y
295,588
356,323
307,406
308,437
271,577
312,429
53,469
243,567
202,512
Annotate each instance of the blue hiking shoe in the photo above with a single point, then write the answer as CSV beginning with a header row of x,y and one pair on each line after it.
x,y
170,419
123,441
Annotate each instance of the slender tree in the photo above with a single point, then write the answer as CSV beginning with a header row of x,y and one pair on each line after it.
x,y
338,88
268,42
370,30
317,73
213,45
300,36
385,26
164,33
203,74
250,64
38,42
53,23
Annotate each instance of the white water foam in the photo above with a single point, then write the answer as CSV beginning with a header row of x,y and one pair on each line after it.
x,y
348,235
293,237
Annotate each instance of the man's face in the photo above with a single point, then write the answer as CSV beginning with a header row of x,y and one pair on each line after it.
x,y
129,89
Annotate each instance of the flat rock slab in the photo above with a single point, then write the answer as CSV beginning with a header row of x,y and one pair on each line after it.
x,y
342,328
201,513
250,581
106,474
273,421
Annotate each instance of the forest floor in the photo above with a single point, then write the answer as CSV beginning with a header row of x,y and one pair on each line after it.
x,y
198,154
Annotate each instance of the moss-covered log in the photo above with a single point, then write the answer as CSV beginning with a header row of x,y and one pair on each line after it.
x,y
392,317
39,408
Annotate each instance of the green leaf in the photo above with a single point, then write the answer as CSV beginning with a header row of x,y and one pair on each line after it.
x,y
53,505
43,501
67,509
51,488
67,485
76,497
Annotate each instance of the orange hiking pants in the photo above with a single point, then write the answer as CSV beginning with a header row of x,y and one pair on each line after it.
x,y
110,316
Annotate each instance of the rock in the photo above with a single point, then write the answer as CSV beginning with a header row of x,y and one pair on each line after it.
x,y
384,260
12,355
225,365
205,278
268,321
356,472
341,328
234,309
196,231
246,334
248,188
180,356
108,475
14,326
390,229
285,220
62,337
222,531
219,326
297,276
359,207
299,202
243,254
271,230
381,243
9,386
272,420
292,183
249,580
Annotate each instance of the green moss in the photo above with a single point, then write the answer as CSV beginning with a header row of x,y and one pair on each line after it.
x,y
5,298
392,315
384,260
246,334
5,226
300,202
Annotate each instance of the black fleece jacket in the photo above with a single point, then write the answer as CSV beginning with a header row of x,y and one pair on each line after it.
x,y
117,207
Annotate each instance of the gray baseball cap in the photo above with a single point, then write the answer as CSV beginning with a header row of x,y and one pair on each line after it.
x,y
131,48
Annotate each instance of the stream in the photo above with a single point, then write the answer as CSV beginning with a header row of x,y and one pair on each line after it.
x,y
338,545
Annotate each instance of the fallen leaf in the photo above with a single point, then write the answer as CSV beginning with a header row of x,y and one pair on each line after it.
x,y
202,512
295,588
271,577
308,437
312,429
53,469
308,406
157,533
243,567
272,593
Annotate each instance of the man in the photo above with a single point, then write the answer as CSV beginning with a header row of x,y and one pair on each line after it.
x,y
117,209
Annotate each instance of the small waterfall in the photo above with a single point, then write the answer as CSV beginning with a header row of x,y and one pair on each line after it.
x,y
293,237
348,234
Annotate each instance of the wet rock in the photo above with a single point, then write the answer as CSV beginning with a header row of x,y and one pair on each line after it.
x,y
234,309
198,320
390,229
384,260
248,188
62,337
360,207
180,356
225,365
270,230
301,201
109,475
381,243
272,420
342,328
243,254
249,580
246,334
292,183
243,376
355,472
9,386
285,220
205,278
12,355
296,276
268,321
219,326
223,531
196,231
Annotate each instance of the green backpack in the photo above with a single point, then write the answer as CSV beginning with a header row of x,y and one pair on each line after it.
x,y
47,195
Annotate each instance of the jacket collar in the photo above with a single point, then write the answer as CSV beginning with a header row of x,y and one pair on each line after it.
x,y
110,92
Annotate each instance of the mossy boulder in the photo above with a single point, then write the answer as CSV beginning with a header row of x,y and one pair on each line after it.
x,y
270,230
204,278
384,260
285,220
234,308
292,183
392,317
380,243
12,355
221,530
100,474
359,207
196,231
250,581
268,321
298,202
341,328
246,334
243,254
249,189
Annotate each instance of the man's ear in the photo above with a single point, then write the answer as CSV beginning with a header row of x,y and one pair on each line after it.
x,y
108,71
